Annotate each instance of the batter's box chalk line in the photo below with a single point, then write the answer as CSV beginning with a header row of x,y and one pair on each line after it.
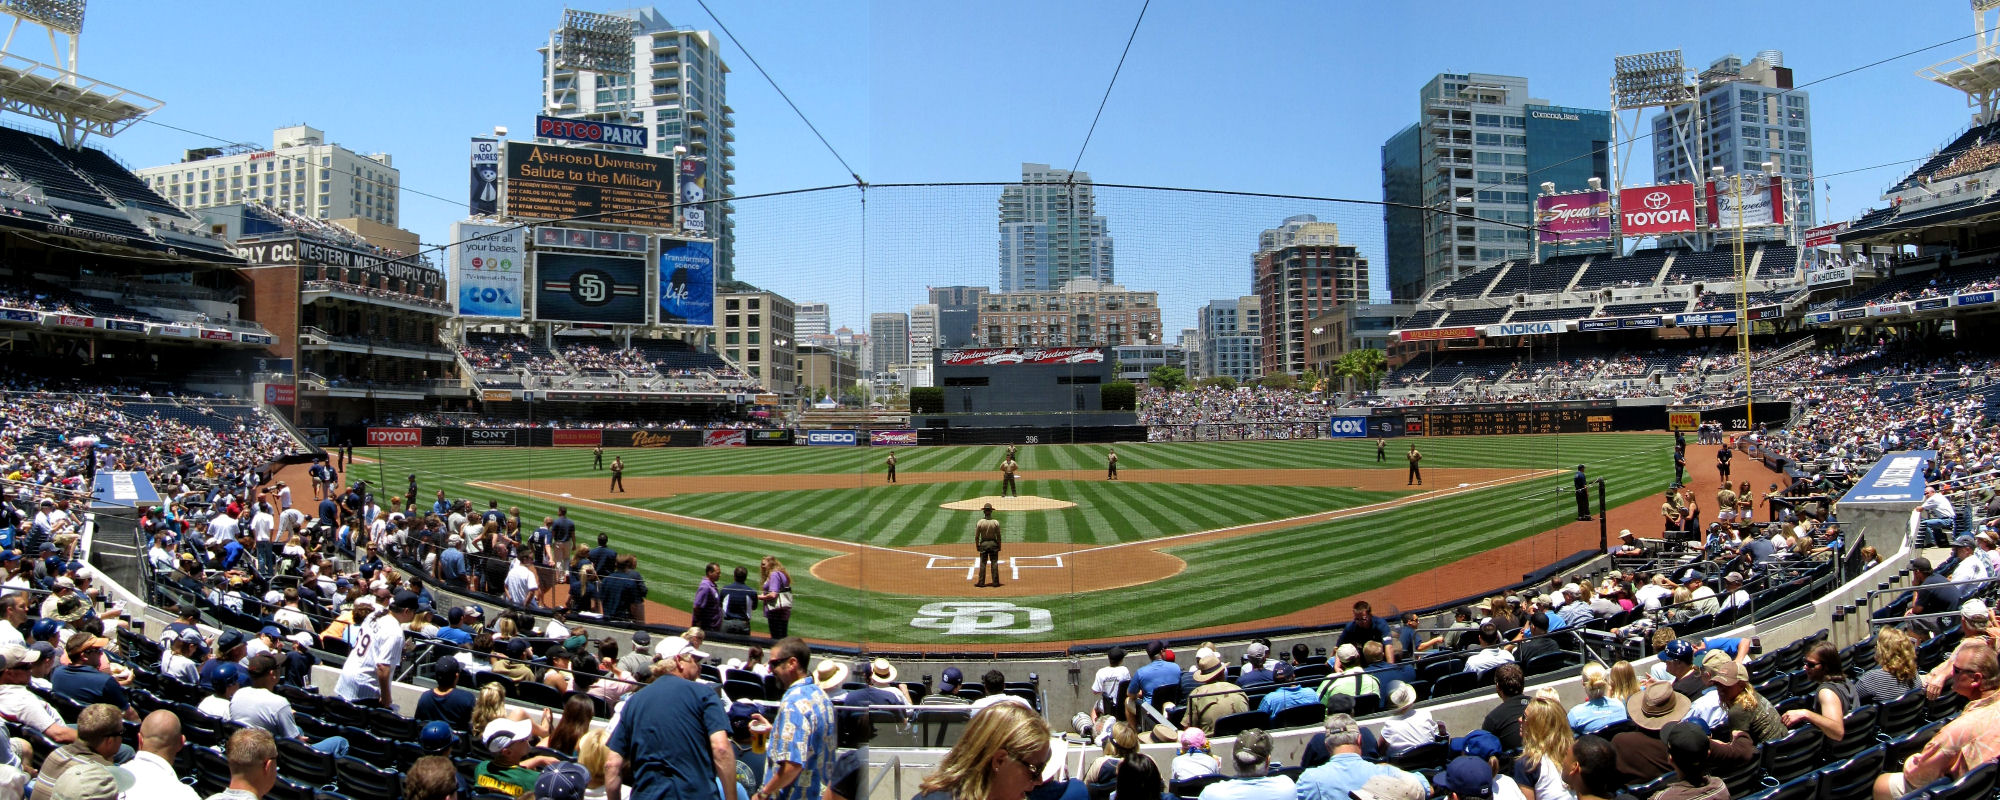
x,y
1013,565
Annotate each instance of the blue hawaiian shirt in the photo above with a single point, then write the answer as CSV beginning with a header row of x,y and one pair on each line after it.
x,y
805,736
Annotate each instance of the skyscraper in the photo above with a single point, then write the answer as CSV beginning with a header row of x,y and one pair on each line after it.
x,y
813,319
889,340
958,313
301,173
1306,275
1226,336
923,332
678,90
1752,115
1464,175
1050,232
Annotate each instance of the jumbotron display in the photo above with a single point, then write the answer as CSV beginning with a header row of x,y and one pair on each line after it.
x,y
562,183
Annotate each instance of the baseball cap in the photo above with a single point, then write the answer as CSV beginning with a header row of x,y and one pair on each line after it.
x,y
1975,610
1678,650
641,638
43,629
1728,673
15,655
264,663
46,650
516,647
445,666
1480,744
436,736
1257,650
229,640
1685,741
226,674
1404,786
503,731
1921,564
65,582
79,642
404,600
1465,776
1346,654
1193,739
271,631
564,780
952,676
1282,672
1252,746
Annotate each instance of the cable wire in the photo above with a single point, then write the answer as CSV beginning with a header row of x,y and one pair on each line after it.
x,y
1107,88
781,92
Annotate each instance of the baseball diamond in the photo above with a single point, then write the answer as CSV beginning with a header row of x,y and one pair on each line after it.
x,y
1179,538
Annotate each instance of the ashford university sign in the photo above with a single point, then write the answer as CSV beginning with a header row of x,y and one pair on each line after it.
x,y
304,252
1573,217
992,356
1650,210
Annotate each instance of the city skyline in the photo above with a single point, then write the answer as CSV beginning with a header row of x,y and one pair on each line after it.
x,y
913,108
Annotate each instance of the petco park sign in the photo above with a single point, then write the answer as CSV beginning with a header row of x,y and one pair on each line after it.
x,y
1649,210
587,131
990,356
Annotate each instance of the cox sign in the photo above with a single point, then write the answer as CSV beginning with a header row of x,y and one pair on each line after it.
x,y
829,438
1347,427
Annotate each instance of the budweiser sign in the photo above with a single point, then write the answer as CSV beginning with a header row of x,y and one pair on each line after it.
x,y
1650,210
989,356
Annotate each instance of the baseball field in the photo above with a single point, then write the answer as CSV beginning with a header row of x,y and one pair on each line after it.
x,y
1193,536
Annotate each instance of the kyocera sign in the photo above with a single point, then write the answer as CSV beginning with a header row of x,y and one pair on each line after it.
x,y
578,130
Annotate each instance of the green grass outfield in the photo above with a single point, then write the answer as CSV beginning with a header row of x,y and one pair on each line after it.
x,y
1234,581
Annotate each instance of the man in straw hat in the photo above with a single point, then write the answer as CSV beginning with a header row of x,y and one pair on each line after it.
x,y
986,539
1214,697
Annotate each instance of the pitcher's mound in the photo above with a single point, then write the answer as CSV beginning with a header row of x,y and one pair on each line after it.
x,y
1029,503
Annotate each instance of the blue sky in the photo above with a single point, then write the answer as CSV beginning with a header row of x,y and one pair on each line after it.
x,y
1286,98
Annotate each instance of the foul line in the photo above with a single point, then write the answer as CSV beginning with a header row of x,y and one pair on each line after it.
x,y
820,543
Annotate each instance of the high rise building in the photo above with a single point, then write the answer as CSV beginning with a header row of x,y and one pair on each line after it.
x,y
1752,115
1084,313
889,341
1461,180
813,319
958,313
757,335
678,90
1297,282
923,332
300,174
1050,232
1227,335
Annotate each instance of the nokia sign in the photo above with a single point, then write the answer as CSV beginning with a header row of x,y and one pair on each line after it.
x,y
1524,328
830,438
1346,427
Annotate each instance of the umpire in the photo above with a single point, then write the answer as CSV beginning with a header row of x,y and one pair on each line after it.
x,y
986,539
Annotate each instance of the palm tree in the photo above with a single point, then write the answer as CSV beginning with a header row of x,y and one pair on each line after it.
x,y
1363,367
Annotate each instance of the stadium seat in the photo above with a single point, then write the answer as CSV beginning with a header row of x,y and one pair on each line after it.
x,y
1898,717
1192,787
1852,778
1900,749
1794,754
1858,734
1237,723
359,779
1944,706
211,770
534,693
1743,779
1458,683
1299,717
387,724
288,789
1424,756
1804,788
1974,785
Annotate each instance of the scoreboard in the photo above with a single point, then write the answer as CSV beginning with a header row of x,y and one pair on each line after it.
x,y
1472,422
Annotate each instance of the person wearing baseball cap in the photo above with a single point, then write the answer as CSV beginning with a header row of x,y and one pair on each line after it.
x,y
509,741
1345,770
364,679
1397,787
1747,710
1250,765
564,780
21,704
82,682
257,706
447,702
1158,672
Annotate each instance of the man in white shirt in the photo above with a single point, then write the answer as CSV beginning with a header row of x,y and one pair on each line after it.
x,y
1105,683
284,497
1938,515
1971,566
1732,588
1491,654
152,767
221,529
20,705
13,615
1655,592
256,706
290,616
378,648
521,584
160,556
261,525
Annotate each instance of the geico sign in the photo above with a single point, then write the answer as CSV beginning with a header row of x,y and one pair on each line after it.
x,y
830,437
1670,216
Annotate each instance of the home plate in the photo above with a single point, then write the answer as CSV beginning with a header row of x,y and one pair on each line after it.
x,y
565,494
1028,503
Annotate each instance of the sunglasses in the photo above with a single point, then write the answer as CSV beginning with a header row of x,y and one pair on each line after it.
x,y
1033,768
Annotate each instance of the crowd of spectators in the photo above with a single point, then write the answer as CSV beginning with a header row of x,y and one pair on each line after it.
x,y
385,294
1244,412
593,357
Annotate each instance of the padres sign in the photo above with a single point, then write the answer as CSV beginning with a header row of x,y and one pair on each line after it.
x,y
572,287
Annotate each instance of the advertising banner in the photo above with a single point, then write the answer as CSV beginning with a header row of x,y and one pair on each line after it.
x,y
1838,276
1932,304
577,288
1817,318
395,437
489,437
178,331
124,325
256,338
585,438
687,282
1763,203
990,356
293,249
581,130
1346,427
280,394
1824,234
549,236
217,336
550,182
892,438
832,438
1974,299
17,315
1385,426
1620,323
1896,478
771,438
728,438
70,321
1852,313
1708,318
496,395
1573,217
487,264
1683,420
483,196
694,189
1428,334
1524,328
1653,210
674,438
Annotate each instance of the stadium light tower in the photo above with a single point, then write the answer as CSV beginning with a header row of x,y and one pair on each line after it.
x,y
592,42
53,90
1977,73
1652,80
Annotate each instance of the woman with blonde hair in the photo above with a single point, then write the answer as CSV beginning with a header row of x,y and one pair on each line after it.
x,y
1895,672
1000,756
1598,710
1624,681
1545,747
776,595
491,704
591,753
